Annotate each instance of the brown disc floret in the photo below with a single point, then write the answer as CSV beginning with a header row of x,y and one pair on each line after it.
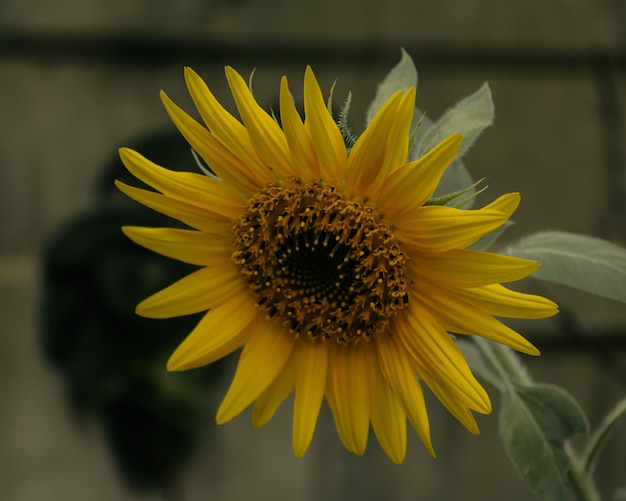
x,y
326,264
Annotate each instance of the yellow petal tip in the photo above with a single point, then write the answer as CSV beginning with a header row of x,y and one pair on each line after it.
x,y
222,416
456,138
298,452
528,349
173,365
230,72
180,361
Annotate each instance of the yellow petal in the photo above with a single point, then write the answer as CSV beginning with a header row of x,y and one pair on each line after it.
x,y
220,332
408,187
228,159
197,189
329,145
453,398
388,419
188,246
467,268
398,140
507,204
199,291
342,429
191,215
311,363
397,371
369,152
439,228
230,131
262,359
438,356
268,402
265,134
349,386
461,412
502,302
298,137
461,317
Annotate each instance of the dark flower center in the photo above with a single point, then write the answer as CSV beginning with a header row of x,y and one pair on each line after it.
x,y
325,264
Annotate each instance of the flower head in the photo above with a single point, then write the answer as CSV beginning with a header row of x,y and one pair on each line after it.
x,y
328,267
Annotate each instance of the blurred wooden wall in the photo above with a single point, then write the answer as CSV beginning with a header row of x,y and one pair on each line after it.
x,y
81,78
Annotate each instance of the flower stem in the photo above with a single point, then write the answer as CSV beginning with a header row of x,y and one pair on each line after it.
x,y
582,483
513,373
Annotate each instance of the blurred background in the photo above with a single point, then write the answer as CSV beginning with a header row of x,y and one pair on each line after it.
x,y
87,411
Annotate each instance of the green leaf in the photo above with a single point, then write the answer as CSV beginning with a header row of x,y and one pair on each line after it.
x,y
586,263
535,422
456,177
469,117
401,77
598,439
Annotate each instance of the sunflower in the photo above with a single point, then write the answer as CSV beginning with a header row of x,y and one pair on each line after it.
x,y
328,266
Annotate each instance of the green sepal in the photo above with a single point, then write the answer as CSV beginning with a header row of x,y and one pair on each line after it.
x,y
343,123
446,199
250,78
203,168
329,101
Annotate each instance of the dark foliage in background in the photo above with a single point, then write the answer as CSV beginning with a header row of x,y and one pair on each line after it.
x,y
113,361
